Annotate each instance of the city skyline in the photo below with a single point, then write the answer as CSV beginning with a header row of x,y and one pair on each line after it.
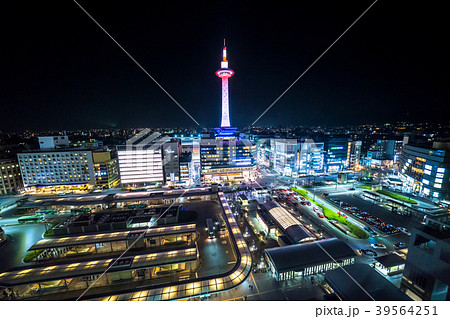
x,y
75,77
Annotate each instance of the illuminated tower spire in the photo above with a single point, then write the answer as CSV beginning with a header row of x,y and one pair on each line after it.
x,y
225,73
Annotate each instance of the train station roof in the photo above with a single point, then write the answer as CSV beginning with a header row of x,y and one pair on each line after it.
x,y
300,256
109,237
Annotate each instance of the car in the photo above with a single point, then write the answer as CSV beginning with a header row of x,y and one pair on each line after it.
x,y
320,215
404,230
315,209
378,246
399,245
370,230
369,252
61,194
308,203
325,194
351,189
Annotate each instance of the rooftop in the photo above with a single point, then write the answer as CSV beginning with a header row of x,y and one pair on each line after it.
x,y
61,271
369,285
390,260
108,237
299,256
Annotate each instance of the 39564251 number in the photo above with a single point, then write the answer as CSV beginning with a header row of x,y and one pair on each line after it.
x,y
406,310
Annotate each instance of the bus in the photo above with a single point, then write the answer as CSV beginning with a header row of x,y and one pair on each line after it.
x,y
371,196
30,219
45,212
210,225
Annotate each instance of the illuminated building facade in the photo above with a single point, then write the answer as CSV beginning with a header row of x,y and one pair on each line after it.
x,y
336,154
427,268
354,154
106,170
57,167
227,159
291,157
149,159
426,169
10,178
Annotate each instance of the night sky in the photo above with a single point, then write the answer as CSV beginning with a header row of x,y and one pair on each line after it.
x,y
60,71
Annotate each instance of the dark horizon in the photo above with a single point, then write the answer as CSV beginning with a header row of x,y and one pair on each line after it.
x,y
62,72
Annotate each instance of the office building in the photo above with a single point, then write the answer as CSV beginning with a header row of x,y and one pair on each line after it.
x,y
227,159
425,170
10,177
53,142
171,161
59,167
291,157
354,154
384,153
335,154
427,269
106,169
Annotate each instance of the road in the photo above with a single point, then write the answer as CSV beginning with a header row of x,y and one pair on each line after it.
x,y
19,239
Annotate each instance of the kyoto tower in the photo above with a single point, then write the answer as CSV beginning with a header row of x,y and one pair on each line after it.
x,y
225,73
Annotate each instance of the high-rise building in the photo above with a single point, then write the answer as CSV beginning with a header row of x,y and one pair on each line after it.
x,y
149,159
426,169
292,157
10,178
57,167
354,154
336,154
171,155
226,159
427,268
106,169
284,155
384,153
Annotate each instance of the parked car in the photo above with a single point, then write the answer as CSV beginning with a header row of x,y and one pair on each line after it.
x,y
399,245
378,246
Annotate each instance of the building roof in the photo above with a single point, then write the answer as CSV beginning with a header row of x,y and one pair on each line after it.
x,y
300,256
390,260
109,237
288,223
374,285
76,269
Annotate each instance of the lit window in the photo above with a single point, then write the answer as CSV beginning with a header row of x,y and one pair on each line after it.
x,y
427,172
